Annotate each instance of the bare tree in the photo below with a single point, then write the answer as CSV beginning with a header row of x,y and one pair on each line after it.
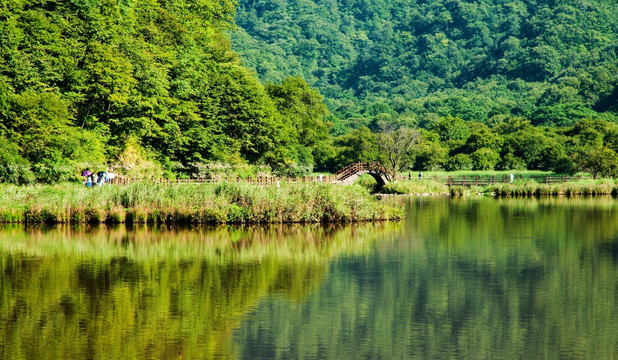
x,y
396,142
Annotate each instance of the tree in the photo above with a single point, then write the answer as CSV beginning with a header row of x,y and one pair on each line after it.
x,y
357,146
396,143
303,106
485,159
430,156
452,128
471,60
599,161
14,169
459,162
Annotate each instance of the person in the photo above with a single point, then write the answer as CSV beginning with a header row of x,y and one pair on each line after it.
x,y
320,177
420,176
511,177
86,174
110,177
101,178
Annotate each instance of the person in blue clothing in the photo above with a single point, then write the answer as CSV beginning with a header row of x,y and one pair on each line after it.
x,y
101,178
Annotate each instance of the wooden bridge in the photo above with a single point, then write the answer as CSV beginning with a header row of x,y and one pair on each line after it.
x,y
350,173
345,176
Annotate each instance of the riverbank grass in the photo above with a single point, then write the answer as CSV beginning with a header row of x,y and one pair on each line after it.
x,y
192,204
517,188
533,188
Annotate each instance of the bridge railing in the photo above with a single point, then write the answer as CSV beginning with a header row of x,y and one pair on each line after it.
x,y
265,181
484,180
340,175
355,168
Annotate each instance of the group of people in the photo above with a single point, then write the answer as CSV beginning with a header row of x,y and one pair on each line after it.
x,y
420,176
99,179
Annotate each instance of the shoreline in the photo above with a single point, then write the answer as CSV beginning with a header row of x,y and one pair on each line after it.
x,y
601,187
224,203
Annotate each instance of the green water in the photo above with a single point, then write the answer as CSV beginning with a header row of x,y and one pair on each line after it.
x,y
462,278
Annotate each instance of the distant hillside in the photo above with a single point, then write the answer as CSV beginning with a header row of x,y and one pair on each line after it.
x,y
551,61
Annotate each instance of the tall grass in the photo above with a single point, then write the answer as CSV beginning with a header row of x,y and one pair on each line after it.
x,y
517,188
533,188
416,187
205,203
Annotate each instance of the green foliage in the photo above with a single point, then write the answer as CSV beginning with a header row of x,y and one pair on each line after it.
x,y
485,159
451,128
554,62
303,107
357,146
599,161
459,162
14,169
83,81
152,88
430,156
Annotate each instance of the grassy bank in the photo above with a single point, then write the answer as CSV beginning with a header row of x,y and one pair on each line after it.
x,y
191,204
416,187
517,188
532,188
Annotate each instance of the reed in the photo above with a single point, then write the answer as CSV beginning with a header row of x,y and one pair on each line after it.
x,y
576,188
194,204
416,187
517,188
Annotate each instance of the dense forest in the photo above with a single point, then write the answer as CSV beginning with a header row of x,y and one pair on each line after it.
x,y
493,84
150,86
165,88
551,61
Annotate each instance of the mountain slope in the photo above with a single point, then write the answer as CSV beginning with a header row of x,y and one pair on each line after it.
x,y
552,61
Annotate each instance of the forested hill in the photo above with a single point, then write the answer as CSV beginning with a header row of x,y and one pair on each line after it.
x,y
138,84
551,61
155,87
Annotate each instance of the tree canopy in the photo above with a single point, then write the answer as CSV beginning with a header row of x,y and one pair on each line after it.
x,y
552,61
161,88
80,80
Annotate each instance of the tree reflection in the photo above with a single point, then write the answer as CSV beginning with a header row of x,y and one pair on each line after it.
x,y
468,278
154,292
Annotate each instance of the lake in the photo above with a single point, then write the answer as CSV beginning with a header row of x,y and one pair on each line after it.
x,y
460,278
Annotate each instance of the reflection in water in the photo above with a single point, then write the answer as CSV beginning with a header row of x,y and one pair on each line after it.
x,y
468,278
153,293
460,278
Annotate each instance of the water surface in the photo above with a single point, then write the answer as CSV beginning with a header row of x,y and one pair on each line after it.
x,y
459,278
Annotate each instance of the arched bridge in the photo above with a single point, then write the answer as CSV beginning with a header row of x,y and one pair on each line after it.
x,y
350,173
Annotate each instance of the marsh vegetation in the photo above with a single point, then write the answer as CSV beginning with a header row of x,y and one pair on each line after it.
x,y
219,203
